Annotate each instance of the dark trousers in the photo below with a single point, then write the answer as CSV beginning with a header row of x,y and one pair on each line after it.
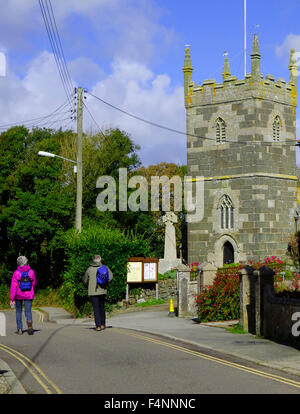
x,y
98,302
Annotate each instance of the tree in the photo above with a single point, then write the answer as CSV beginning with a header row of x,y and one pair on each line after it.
x,y
103,154
34,204
38,194
158,229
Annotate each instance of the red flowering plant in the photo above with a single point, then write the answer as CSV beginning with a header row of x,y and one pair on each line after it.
x,y
221,301
275,263
194,270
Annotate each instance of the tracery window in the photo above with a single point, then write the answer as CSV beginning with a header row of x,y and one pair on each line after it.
x,y
220,131
226,213
276,128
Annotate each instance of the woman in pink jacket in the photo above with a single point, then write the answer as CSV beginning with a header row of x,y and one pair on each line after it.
x,y
22,288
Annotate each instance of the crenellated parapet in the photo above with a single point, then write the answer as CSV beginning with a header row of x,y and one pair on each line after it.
x,y
254,85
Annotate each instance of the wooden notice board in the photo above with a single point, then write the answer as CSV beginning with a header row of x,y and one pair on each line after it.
x,y
142,270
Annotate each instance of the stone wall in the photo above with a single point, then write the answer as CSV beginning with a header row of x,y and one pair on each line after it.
x,y
257,173
166,288
262,312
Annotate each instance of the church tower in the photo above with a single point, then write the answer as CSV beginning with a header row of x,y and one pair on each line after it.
x,y
241,138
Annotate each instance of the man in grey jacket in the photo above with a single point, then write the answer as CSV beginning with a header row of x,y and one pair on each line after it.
x,y
96,293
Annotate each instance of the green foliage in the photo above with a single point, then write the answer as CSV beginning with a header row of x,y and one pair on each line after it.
x,y
221,301
37,209
4,296
150,302
237,329
170,274
37,194
5,274
114,246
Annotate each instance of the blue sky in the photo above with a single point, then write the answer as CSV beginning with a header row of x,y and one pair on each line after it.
x,y
131,52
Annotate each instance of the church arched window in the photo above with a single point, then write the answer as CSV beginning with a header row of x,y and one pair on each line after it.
x,y
276,128
220,131
226,213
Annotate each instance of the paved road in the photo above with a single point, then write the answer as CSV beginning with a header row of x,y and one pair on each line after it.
x,y
78,360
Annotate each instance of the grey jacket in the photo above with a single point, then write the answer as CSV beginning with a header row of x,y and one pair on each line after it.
x,y
90,279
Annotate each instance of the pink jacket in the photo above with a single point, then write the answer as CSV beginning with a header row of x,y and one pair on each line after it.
x,y
15,291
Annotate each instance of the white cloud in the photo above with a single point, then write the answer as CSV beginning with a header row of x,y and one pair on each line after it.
x,y
127,33
292,41
135,89
37,94
84,70
131,86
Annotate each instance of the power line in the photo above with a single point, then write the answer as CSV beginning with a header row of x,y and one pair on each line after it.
x,y
61,49
30,121
58,120
147,121
185,133
53,35
93,119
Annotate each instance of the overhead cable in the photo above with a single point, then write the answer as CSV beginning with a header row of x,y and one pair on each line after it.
x,y
53,35
292,142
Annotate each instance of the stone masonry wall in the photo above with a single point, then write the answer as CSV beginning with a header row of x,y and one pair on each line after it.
x,y
166,288
255,172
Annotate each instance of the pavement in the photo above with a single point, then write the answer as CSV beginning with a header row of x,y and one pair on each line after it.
x,y
210,336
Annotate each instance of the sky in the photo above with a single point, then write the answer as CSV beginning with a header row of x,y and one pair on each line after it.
x,y
130,53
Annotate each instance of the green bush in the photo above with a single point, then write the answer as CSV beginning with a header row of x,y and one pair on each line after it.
x,y
170,274
4,296
113,245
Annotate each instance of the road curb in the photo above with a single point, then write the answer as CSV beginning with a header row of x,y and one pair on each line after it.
x,y
10,382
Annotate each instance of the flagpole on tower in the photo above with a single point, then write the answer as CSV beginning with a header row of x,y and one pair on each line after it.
x,y
245,37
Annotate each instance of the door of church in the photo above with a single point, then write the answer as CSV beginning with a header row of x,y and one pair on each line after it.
x,y
228,253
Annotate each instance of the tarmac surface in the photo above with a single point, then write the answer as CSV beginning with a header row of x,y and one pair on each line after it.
x,y
156,320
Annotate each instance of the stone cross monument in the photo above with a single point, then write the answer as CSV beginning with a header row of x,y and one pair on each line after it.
x,y
170,259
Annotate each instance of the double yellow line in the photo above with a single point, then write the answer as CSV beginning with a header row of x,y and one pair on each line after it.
x,y
34,370
197,354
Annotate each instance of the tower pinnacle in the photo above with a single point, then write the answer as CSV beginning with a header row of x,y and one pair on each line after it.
x,y
293,68
226,68
255,59
187,71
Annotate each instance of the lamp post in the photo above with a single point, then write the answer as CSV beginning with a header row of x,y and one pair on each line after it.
x,y
78,200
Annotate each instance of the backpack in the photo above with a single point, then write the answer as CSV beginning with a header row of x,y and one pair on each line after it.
x,y
25,281
102,277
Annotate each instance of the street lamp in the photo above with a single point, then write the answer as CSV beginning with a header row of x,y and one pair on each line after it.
x,y
49,154
78,200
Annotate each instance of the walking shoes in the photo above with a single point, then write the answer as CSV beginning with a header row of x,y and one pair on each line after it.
x,y
30,329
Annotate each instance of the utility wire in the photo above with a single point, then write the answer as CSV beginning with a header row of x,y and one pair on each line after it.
x,y
44,123
293,142
30,121
53,35
58,120
61,49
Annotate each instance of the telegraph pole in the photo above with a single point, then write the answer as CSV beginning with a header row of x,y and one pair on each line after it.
x,y
79,162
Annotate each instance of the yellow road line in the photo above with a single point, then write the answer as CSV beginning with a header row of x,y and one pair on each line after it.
x,y
30,370
217,360
14,353
41,315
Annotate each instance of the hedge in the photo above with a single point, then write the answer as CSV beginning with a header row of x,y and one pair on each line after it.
x,y
114,247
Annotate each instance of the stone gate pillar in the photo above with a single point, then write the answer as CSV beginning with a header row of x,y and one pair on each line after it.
x,y
252,287
183,279
247,304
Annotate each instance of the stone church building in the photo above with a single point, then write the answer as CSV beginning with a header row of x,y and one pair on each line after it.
x,y
241,137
